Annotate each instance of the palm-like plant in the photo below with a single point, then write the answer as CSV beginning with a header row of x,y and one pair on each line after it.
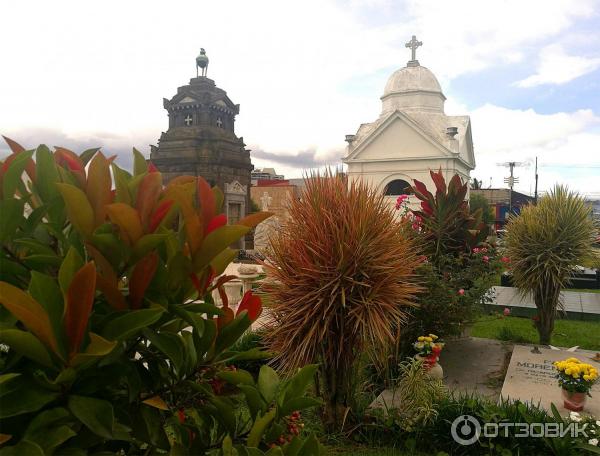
x,y
544,244
342,275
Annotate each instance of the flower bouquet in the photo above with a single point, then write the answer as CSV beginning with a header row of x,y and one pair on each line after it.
x,y
428,350
576,380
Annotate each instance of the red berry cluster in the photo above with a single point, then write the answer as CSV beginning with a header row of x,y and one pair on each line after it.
x,y
294,427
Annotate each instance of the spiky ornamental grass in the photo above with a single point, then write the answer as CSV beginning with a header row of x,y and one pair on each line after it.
x,y
342,275
544,245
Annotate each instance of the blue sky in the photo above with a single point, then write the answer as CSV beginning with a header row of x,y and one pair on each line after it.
x,y
307,73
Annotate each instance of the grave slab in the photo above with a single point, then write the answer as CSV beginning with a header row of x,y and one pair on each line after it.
x,y
531,377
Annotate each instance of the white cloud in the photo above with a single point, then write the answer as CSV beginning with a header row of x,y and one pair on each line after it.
x,y
305,73
566,145
556,67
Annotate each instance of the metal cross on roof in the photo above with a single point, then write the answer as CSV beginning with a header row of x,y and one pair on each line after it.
x,y
188,120
413,44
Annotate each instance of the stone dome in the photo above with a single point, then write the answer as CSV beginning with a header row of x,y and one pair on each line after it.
x,y
413,88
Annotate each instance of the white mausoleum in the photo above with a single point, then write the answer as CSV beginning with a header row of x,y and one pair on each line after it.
x,y
411,136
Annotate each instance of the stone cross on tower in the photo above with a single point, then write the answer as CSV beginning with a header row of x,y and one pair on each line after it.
x,y
413,44
219,122
265,201
188,120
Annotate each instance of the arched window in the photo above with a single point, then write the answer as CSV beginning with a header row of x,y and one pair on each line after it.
x,y
397,187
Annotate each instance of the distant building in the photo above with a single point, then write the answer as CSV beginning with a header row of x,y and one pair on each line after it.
x,y
201,141
502,201
412,135
265,174
275,195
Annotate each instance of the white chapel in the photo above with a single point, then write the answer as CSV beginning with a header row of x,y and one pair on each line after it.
x,y
411,136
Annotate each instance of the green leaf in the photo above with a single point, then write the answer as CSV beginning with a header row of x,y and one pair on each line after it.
x,y
46,291
11,216
311,447
232,332
33,246
194,320
79,209
154,427
169,344
22,448
130,323
259,427
46,432
222,260
268,383
121,178
97,348
298,383
96,414
140,166
298,403
12,179
145,245
70,265
204,308
236,377
225,413
88,154
22,397
204,343
215,242
254,399
46,174
26,344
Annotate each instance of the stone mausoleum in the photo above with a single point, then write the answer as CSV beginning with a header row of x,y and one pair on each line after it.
x,y
412,135
201,141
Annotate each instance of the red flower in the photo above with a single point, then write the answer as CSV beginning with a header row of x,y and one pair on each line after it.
x,y
486,259
506,312
461,292
505,259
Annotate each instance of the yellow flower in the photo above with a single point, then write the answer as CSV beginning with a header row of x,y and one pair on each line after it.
x,y
421,339
433,336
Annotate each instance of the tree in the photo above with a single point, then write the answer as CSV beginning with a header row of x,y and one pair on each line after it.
x,y
544,245
477,201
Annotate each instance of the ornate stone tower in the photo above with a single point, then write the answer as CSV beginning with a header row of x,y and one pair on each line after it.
x,y
201,141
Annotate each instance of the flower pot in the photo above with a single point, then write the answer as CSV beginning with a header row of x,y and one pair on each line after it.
x,y
434,370
573,401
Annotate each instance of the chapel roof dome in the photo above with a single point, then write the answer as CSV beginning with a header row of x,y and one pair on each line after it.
x,y
412,79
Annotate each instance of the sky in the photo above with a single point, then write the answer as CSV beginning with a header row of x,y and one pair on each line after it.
x,y
306,73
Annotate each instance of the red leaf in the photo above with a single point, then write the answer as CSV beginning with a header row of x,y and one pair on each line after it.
x,y
223,296
17,149
217,222
252,304
426,207
147,196
206,199
439,181
152,168
140,279
422,189
68,158
159,214
14,146
79,302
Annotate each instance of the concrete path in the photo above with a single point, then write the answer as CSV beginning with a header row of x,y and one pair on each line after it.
x,y
578,305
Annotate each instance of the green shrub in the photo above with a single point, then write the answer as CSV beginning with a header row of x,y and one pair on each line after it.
x,y
545,243
114,343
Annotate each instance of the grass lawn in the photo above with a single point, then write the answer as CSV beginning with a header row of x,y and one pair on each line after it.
x,y
567,333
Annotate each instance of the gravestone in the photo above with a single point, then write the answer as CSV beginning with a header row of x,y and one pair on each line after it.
x,y
531,377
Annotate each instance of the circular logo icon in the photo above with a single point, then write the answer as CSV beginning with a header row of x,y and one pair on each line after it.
x,y
465,430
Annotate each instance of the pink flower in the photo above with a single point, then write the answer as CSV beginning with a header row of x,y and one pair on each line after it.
x,y
486,259
505,259
461,292
400,201
415,226
506,312
476,250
